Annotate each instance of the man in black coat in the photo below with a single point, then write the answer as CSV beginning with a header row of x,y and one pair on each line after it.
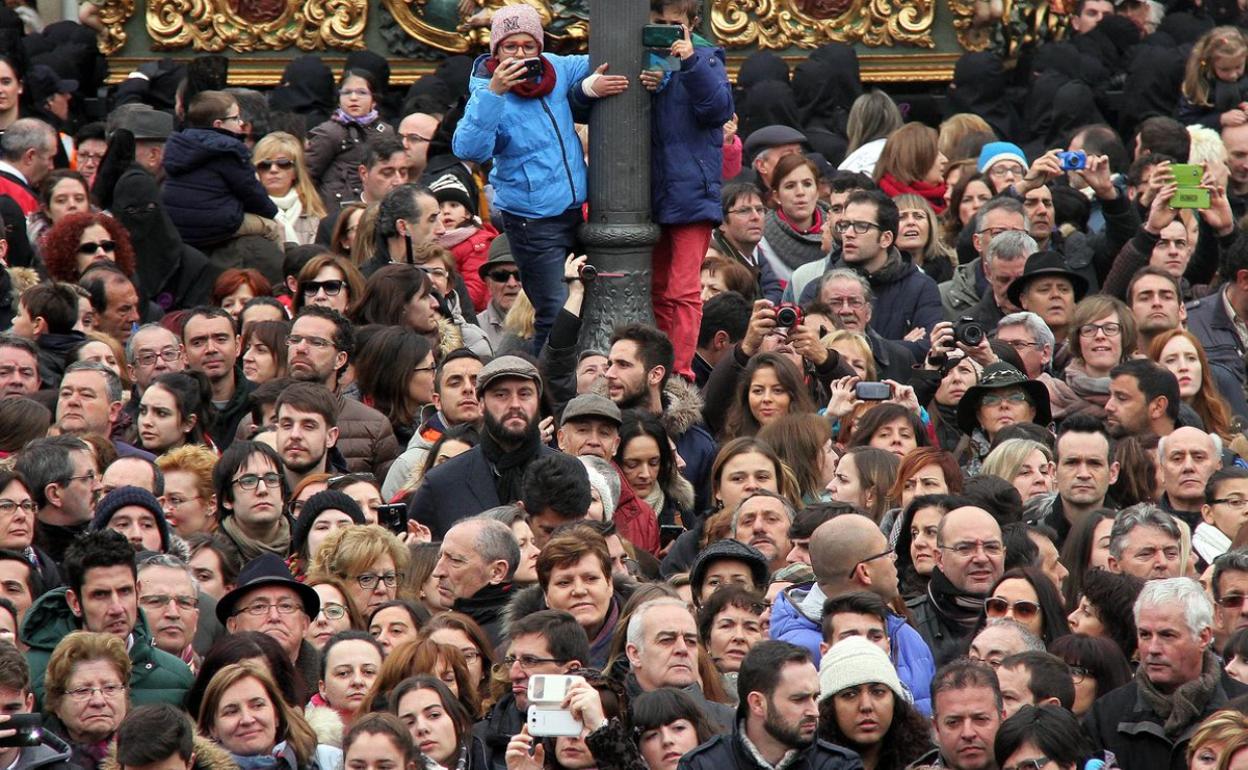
x,y
778,713
491,474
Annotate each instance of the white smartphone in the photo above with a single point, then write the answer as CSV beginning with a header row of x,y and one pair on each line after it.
x,y
550,689
553,723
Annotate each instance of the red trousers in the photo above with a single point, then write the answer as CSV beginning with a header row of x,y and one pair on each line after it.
x,y
677,288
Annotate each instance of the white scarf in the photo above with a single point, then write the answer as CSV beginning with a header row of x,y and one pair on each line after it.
x,y
1210,542
289,209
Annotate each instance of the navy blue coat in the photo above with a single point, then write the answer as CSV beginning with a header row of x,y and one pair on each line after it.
x,y
210,184
687,140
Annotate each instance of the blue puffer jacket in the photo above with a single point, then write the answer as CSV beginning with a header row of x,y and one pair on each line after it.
x,y
911,655
539,170
210,184
687,140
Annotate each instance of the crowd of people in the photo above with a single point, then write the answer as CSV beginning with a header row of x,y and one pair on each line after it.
x,y
933,457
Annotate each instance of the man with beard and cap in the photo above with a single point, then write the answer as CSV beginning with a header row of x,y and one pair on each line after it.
x,y
491,474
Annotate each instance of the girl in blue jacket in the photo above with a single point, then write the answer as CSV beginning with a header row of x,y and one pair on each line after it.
x,y
519,115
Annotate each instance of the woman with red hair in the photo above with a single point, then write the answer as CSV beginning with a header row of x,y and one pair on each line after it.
x,y
236,286
79,240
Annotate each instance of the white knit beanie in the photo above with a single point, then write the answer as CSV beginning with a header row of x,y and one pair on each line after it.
x,y
854,661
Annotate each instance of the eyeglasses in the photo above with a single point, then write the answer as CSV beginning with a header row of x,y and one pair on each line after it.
x,y
1000,170
268,165
993,232
177,502
159,601
168,355
368,581
9,507
889,553
858,226
331,288
744,210
527,662
88,476
855,303
360,92
1236,504
968,549
81,694
320,343
996,607
1088,331
237,118
91,247
503,276
992,399
1231,601
262,608
1079,673
250,481
433,368
1029,764
333,611
528,49
1022,344
414,138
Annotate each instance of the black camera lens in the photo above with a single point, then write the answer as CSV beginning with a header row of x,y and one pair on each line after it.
x,y
969,332
786,316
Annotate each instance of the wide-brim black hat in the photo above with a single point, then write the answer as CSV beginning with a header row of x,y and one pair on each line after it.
x,y
1040,265
995,377
267,569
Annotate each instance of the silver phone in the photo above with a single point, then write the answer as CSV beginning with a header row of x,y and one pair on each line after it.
x,y
553,723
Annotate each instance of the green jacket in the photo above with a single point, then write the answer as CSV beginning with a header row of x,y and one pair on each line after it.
x,y
155,675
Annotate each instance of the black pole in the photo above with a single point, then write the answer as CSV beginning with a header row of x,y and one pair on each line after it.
x,y
619,235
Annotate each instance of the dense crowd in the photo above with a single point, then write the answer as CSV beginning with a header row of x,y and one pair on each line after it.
x,y
933,457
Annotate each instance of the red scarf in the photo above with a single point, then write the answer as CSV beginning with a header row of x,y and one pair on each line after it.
x,y
934,194
816,224
529,89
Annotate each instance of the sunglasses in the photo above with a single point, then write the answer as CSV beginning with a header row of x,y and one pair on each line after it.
x,y
91,247
331,288
996,607
283,164
503,276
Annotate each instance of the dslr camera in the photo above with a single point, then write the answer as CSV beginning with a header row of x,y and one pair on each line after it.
x,y
788,314
968,331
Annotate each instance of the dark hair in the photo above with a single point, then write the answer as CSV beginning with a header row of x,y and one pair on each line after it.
x,y
399,203
1165,136
154,733
564,636
740,420
1153,380
809,518
1020,549
14,670
690,9
232,460
192,393
1050,601
382,723
762,667
1236,646
558,482
963,674
22,421
1219,477
1099,656
654,348
857,602
309,397
92,550
454,355
56,303
206,107
415,612
636,423
1048,676
384,368
239,646
722,599
1234,258
907,738
732,192
847,181
387,292
344,333
660,707
996,495
1052,729
229,561
380,148
455,708
271,334
207,311
1100,139
1157,272
47,461
272,302
348,635
1077,551
728,312
875,418
886,212
88,132
465,434
1113,595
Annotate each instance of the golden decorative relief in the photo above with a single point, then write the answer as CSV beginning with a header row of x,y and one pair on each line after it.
x,y
972,36
114,14
256,25
781,24
564,25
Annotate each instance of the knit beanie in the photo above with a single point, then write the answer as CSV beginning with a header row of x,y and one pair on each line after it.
x,y
513,20
854,661
121,497
997,151
329,500
448,188
599,484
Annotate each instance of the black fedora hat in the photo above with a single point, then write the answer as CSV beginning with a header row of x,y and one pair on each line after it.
x,y
995,377
1040,265
267,569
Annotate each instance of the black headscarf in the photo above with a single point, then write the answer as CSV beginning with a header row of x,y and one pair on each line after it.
x,y
759,67
1154,80
307,89
978,87
20,253
768,104
825,87
1074,106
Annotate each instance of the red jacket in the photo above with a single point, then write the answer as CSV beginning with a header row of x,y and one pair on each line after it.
x,y
25,197
470,254
635,519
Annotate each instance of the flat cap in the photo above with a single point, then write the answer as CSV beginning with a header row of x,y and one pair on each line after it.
x,y
147,124
772,136
591,405
507,366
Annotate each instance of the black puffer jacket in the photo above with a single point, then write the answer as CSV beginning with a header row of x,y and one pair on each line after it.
x,y
209,170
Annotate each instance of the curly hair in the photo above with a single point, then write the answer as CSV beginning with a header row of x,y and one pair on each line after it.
x,y
81,647
60,250
908,736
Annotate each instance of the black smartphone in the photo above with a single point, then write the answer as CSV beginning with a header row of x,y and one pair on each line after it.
x,y
393,516
873,391
29,730
532,68
668,533
660,35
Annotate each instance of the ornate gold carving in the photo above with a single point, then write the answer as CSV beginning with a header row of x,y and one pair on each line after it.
x,y
114,14
779,24
561,21
971,35
256,25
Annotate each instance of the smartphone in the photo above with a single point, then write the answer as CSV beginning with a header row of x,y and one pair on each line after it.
x,y
1190,198
1187,174
29,729
552,723
873,391
532,68
550,689
660,35
393,516
669,532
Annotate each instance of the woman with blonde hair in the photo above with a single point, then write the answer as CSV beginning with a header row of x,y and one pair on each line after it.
x,y
1222,730
872,117
369,560
1026,464
955,129
918,237
855,351
95,666
279,162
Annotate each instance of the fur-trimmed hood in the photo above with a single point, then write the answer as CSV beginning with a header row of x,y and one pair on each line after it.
x,y
682,405
208,756
327,724
531,599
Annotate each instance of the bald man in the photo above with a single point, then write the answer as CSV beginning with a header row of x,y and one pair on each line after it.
x,y
970,557
849,553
